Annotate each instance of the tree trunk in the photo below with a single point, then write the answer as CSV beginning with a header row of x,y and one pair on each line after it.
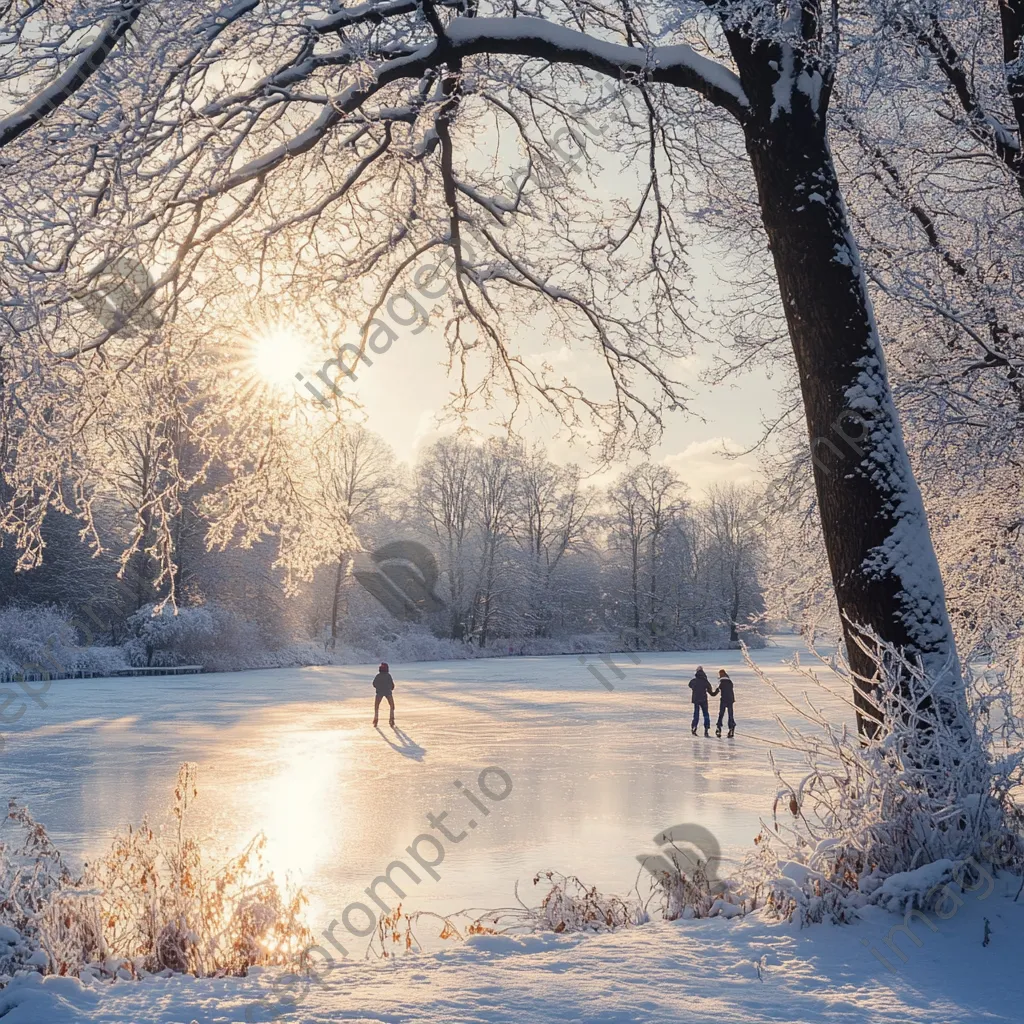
x,y
636,595
474,604
883,566
339,578
490,556
486,620
654,584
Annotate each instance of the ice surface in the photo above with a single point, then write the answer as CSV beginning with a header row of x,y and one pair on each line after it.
x,y
596,774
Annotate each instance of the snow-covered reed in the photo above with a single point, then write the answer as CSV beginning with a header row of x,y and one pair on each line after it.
x,y
676,890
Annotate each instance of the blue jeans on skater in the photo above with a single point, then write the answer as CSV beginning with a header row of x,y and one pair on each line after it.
x,y
722,708
697,709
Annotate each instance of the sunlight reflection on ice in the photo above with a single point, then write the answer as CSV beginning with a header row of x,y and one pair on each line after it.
x,y
300,806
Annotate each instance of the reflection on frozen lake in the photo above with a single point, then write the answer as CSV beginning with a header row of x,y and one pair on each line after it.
x,y
595,774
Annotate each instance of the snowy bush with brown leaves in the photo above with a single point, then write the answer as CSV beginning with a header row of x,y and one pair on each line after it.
x,y
890,818
151,904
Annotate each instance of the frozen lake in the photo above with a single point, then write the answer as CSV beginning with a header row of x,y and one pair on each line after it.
x,y
596,774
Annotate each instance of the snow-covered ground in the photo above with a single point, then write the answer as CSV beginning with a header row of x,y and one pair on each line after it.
x,y
595,775
726,972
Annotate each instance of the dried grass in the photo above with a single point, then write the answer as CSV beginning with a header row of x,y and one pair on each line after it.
x,y
151,904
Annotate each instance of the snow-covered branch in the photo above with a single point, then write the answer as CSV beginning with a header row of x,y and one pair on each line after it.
x,y
48,99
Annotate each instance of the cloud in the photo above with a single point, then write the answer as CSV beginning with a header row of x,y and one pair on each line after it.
x,y
702,463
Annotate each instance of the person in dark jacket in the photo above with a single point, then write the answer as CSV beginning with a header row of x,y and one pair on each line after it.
x,y
384,684
727,697
700,687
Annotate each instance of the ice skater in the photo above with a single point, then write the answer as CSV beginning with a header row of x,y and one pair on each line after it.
x,y
700,687
384,685
727,697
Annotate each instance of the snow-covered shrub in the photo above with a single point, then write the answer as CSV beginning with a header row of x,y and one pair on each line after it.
x,y
685,891
236,644
419,644
214,636
168,636
571,906
870,820
303,653
396,932
568,905
32,877
99,661
43,639
151,904
37,639
8,666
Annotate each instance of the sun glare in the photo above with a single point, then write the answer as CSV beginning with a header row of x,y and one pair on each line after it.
x,y
277,356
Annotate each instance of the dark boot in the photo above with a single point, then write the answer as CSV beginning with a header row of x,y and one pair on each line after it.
x,y
718,731
693,729
707,732
732,732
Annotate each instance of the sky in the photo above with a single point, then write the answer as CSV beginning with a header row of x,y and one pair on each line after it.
x,y
404,392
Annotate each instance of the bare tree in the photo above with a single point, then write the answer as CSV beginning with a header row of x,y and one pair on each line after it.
x,y
734,530
494,478
553,514
661,492
644,502
354,477
445,497
630,529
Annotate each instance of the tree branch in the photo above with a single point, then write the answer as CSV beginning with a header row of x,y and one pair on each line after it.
x,y
58,92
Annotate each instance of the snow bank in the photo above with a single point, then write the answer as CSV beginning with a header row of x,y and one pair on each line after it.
x,y
745,971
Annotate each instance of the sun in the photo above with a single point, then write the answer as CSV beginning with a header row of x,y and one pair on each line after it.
x,y
276,356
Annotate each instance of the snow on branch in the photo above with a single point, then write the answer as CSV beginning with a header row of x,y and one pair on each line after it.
x,y
534,37
678,65
76,75
350,100
361,14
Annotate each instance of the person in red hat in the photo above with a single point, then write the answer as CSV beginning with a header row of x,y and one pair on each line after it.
x,y
384,684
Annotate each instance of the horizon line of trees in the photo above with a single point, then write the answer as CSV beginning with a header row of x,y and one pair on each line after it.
x,y
526,551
